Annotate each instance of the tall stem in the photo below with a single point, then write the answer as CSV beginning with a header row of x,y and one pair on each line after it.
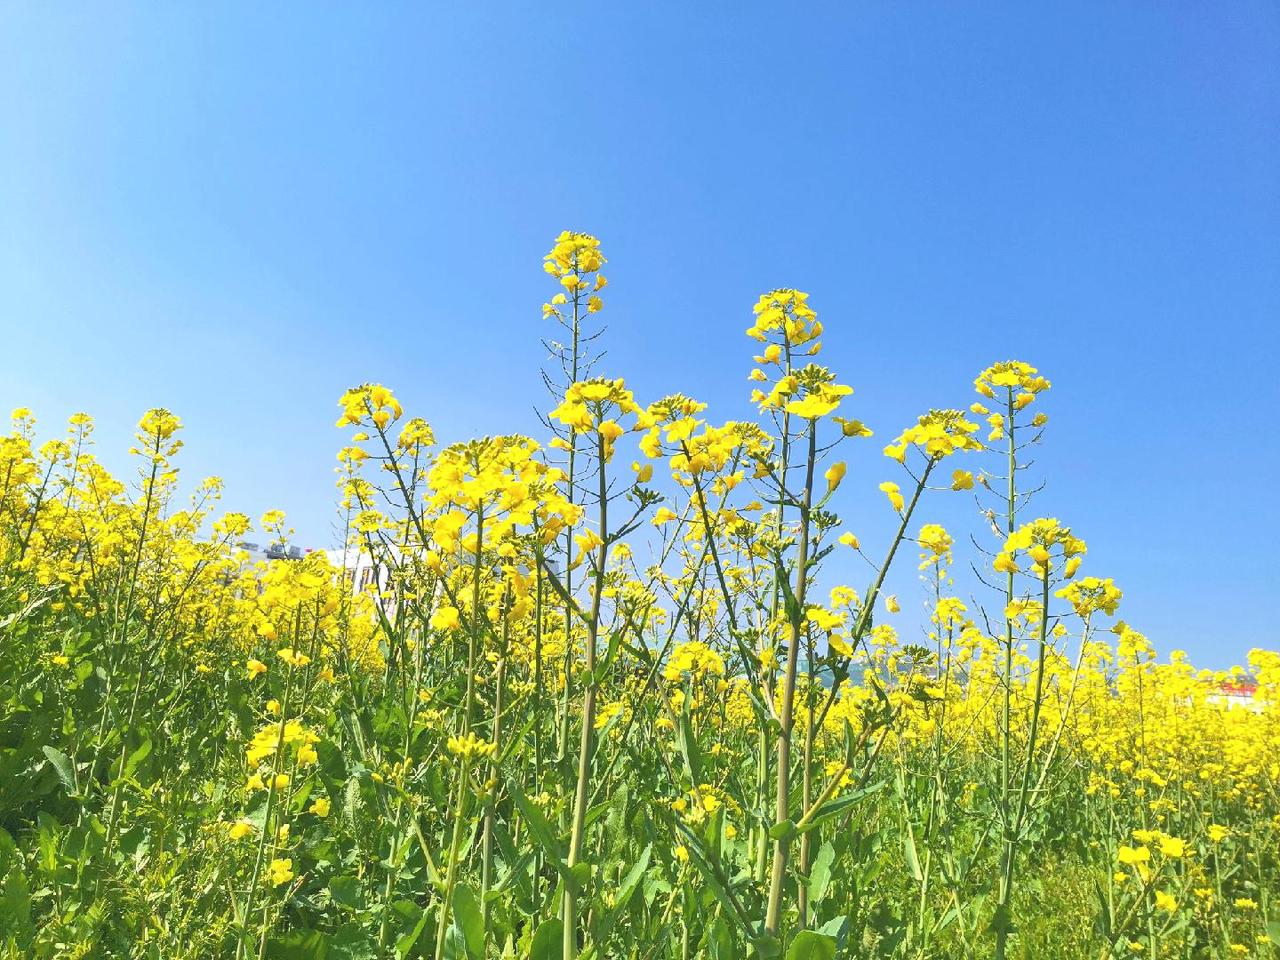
x,y
455,844
1006,774
782,798
586,745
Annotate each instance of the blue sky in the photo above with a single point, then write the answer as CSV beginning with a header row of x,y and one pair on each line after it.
x,y
238,212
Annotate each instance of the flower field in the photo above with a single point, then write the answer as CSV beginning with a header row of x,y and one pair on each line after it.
x,y
604,695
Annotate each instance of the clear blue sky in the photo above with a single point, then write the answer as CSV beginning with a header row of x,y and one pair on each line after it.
x,y
237,211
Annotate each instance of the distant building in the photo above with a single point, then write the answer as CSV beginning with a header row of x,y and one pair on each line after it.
x,y
272,551
362,571
1238,693
359,566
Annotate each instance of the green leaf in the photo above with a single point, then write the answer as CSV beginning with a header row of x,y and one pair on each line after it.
x,y
47,830
710,869
350,942
345,891
539,827
548,941
467,918
15,894
546,837
602,671
820,872
789,602
947,919
577,875
1001,920
62,764
298,945
812,946
632,879
1104,911
719,941
841,805
782,831
133,840
689,747
406,944
913,860
835,927
455,944
137,756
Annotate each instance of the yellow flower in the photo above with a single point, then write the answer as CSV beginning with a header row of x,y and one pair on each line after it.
x,y
445,618
852,428
961,480
824,619
280,871
320,806
937,545
891,490
1133,855
891,603
294,658
812,406
1165,901
693,659
939,433
1172,847
835,473
471,746
240,829
849,540
255,668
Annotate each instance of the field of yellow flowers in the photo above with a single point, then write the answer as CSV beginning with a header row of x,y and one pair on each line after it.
x,y
601,708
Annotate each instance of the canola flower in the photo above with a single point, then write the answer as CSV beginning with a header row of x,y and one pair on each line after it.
x,y
601,692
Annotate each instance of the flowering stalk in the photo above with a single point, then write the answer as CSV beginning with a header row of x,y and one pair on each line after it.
x,y
455,846
786,719
272,791
586,746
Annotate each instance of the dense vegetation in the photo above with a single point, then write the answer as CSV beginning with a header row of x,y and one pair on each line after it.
x,y
598,708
